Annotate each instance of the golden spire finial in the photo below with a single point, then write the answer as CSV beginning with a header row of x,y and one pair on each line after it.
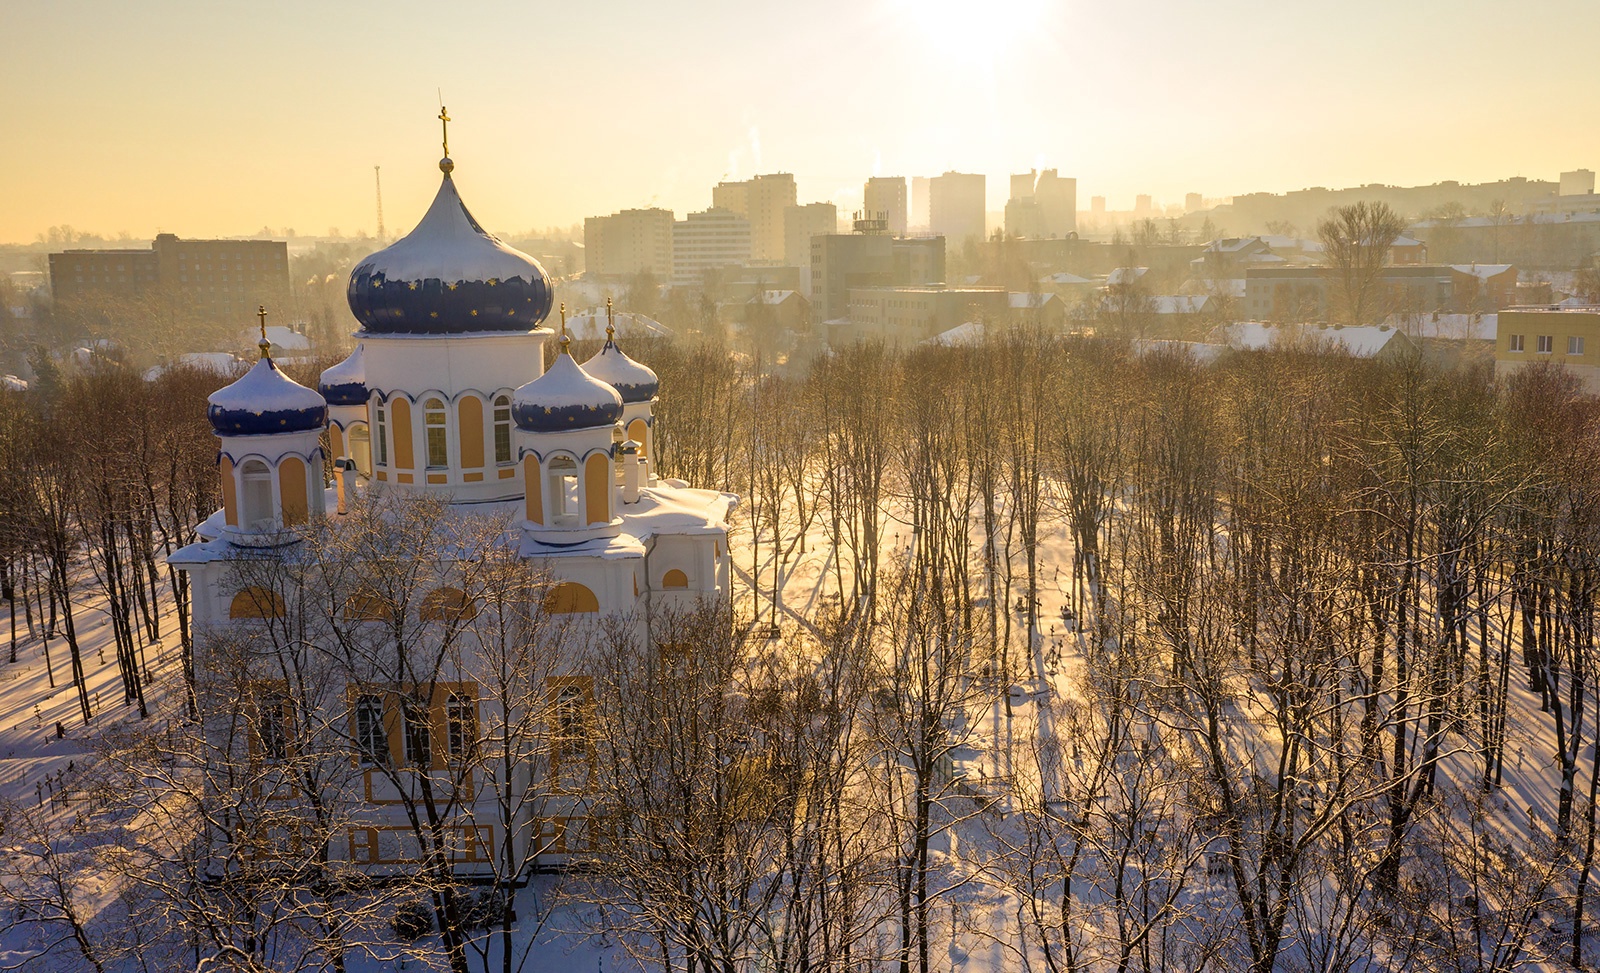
x,y
565,341
264,344
611,331
445,165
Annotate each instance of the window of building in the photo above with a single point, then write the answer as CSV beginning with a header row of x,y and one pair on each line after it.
x,y
461,725
372,742
256,496
563,486
502,429
574,706
1547,344
438,443
447,605
272,725
361,449
1574,345
418,733
383,437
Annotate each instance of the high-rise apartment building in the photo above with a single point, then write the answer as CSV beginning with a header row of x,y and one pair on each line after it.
x,y
800,224
762,201
919,201
956,206
885,197
629,242
1042,206
1193,202
224,278
1578,182
1097,205
706,241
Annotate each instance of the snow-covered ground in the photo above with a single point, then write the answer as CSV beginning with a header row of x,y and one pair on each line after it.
x,y
977,923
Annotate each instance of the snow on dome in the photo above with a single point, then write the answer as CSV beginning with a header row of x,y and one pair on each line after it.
x,y
264,400
449,276
346,382
633,381
565,397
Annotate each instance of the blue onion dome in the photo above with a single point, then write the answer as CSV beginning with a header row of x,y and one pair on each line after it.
x,y
635,382
264,400
346,382
447,277
565,397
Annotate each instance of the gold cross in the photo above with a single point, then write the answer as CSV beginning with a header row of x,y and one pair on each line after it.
x,y
611,332
261,312
444,121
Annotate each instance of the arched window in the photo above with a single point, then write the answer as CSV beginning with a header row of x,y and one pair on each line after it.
x,y
367,605
383,435
570,598
436,420
447,605
256,602
256,512
361,449
562,479
675,579
502,429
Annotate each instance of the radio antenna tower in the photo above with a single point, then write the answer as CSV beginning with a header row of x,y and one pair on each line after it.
x,y
377,179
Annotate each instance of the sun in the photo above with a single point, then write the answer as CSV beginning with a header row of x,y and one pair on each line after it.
x,y
960,31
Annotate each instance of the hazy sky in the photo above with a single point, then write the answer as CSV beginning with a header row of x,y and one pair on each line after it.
x,y
217,118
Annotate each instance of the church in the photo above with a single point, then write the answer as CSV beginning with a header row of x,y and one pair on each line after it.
x,y
446,396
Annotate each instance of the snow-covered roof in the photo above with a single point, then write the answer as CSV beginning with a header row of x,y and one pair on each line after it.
x,y
346,382
1126,275
449,276
212,361
1479,327
1362,342
633,381
283,338
11,383
1064,279
1481,271
961,336
590,324
263,401
1180,303
772,297
565,397
1022,301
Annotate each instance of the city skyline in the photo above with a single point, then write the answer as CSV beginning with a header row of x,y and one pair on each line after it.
x,y
205,120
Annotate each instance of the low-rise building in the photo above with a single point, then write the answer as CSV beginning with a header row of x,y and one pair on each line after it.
x,y
841,262
222,278
907,315
1565,336
1302,293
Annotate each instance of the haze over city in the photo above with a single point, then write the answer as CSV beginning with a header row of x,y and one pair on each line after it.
x,y
218,119
889,486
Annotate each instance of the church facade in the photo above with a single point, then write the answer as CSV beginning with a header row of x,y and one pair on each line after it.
x,y
446,397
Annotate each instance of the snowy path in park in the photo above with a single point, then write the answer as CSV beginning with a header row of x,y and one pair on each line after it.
x,y
31,755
